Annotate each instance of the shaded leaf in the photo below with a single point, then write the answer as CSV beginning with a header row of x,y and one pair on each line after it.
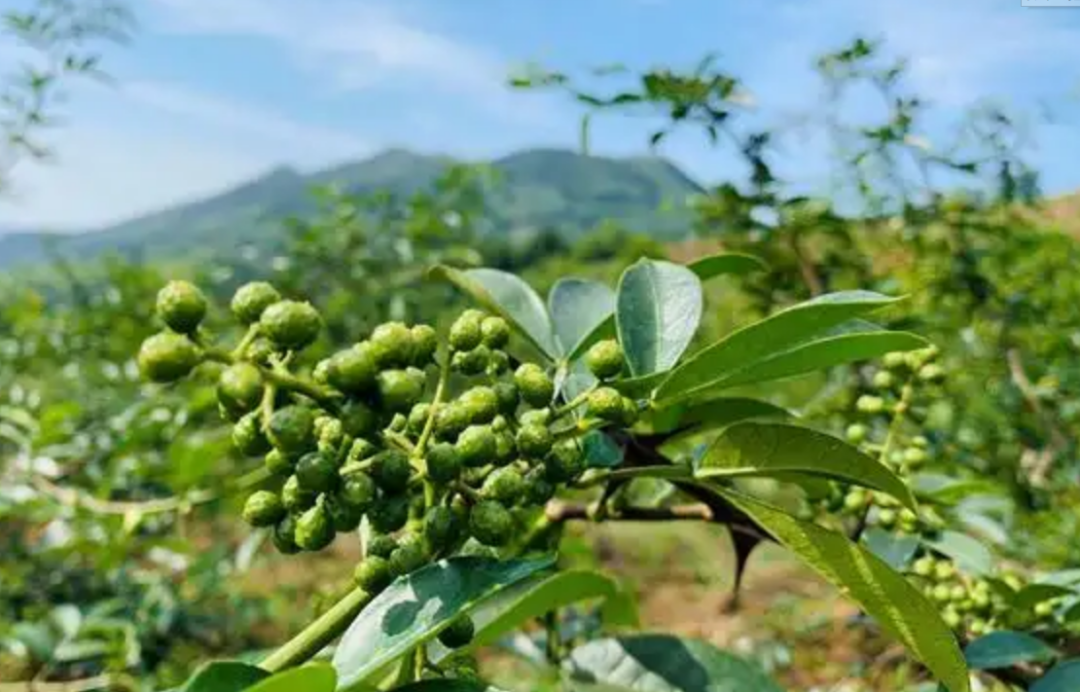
x,y
734,263
224,676
578,309
418,606
448,685
894,549
766,338
661,663
1034,594
1006,648
768,449
601,451
897,606
313,677
970,555
658,308
710,414
1064,677
508,296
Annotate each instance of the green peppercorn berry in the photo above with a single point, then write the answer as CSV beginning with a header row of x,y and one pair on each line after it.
x,y
441,527
251,299
605,359
941,593
381,546
630,412
481,404
399,390
539,416
1044,609
290,324
409,556
314,530
389,513
344,516
914,457
920,442
317,472
295,497
331,436
534,385
181,306
565,462
538,490
472,362
856,500
357,419
883,379
887,518
490,523
373,574
505,486
605,403
425,342
458,633
292,429
951,618
248,437
284,536
451,420
505,447
957,593
391,470
358,490
894,360
870,404
498,363
494,332
418,418
506,393
260,351
167,357
476,446
466,331
353,370
392,344
398,423
443,463
944,570
359,450
534,441
240,387
856,433
263,508
932,372
279,463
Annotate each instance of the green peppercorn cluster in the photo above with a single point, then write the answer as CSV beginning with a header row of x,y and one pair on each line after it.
x,y
433,441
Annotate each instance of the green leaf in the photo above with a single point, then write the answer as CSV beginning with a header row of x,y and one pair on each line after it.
x,y
768,337
601,451
698,418
224,676
579,309
509,297
897,606
894,550
448,685
313,677
970,555
658,308
661,663
1006,648
770,449
519,604
418,606
735,263
1034,594
1064,677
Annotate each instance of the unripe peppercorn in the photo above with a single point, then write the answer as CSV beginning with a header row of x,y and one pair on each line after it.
x,y
534,385
505,447
392,345
914,457
167,357
295,497
924,566
263,508
353,370
317,472
357,419
399,390
539,416
344,516
358,490
451,420
240,387
398,423
466,331
472,362
504,485
425,342
279,463
932,373
565,462
292,429
944,570
314,530
605,403
284,536
534,441
381,546
630,412
1044,609
373,574
482,404
260,351
391,471
537,489
476,446
498,363
441,527
443,463
490,523
894,360
251,299
605,359
388,514
290,324
883,379
418,417
870,404
181,306
248,437
507,395
409,556
458,633
495,332
856,433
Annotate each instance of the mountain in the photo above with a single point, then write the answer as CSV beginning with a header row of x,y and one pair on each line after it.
x,y
540,188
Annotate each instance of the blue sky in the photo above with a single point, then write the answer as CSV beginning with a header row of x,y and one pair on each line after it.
x,y
212,92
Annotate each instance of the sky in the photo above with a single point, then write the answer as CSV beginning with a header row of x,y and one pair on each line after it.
x,y
210,93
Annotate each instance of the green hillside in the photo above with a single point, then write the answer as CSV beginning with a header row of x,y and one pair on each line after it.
x,y
538,188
